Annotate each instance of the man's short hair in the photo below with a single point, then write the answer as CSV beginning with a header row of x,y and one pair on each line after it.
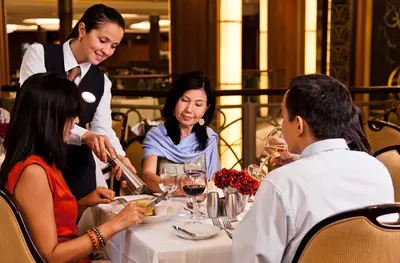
x,y
323,102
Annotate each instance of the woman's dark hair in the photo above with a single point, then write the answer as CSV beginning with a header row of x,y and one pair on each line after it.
x,y
95,16
355,136
45,102
185,82
323,102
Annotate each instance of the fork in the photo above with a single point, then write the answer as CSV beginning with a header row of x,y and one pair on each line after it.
x,y
218,224
227,223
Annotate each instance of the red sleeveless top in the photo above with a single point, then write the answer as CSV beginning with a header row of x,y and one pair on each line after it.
x,y
65,205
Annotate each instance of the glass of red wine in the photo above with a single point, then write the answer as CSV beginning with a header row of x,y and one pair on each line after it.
x,y
194,182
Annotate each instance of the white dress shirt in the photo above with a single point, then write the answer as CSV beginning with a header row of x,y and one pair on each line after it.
x,y
327,179
33,62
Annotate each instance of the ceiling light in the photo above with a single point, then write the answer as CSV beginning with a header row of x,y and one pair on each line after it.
x,y
13,27
42,21
130,16
50,24
145,25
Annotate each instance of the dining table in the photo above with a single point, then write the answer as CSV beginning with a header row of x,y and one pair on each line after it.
x,y
159,242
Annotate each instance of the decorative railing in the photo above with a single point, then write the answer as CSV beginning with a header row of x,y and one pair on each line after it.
x,y
254,125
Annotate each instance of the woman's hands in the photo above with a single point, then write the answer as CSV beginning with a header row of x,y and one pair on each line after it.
x,y
131,215
284,157
100,195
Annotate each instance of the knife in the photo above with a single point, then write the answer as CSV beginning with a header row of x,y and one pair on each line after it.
x,y
177,228
157,200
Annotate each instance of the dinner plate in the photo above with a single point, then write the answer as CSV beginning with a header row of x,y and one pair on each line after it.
x,y
202,231
174,208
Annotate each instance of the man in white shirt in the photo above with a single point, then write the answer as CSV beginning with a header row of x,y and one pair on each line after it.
x,y
327,179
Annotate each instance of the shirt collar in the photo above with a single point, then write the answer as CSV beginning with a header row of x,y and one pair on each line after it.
x,y
70,61
323,146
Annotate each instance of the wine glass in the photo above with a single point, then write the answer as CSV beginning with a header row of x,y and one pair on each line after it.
x,y
194,167
274,149
194,182
169,180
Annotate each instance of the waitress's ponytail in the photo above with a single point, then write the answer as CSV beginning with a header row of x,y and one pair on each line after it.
x,y
75,31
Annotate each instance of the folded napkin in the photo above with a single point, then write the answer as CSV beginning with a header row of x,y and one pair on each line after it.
x,y
140,128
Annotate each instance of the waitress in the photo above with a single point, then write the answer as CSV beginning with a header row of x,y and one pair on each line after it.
x,y
93,39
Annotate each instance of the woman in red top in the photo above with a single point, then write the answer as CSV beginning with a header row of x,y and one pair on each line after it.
x,y
43,116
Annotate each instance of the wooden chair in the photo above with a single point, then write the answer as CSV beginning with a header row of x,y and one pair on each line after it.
x,y
354,236
390,157
391,116
381,134
119,125
15,243
134,152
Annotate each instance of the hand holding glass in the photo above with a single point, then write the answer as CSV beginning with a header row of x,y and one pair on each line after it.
x,y
274,146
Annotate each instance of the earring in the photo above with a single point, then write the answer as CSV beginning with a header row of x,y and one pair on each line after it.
x,y
201,122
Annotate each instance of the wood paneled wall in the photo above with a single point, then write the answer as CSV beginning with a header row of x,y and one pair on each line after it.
x,y
286,39
193,36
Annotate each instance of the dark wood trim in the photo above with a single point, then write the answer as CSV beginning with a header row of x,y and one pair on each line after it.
x,y
387,149
324,36
14,207
370,212
377,125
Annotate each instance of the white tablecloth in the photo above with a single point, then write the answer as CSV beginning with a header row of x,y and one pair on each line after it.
x,y
157,243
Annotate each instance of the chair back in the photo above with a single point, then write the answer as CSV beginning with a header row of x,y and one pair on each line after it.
x,y
381,134
354,236
15,243
390,157
119,125
134,152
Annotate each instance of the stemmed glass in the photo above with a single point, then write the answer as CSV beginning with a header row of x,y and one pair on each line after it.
x,y
274,149
194,183
169,180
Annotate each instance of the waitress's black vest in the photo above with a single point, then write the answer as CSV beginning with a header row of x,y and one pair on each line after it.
x,y
80,168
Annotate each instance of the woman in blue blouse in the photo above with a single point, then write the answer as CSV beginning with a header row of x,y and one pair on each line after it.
x,y
185,135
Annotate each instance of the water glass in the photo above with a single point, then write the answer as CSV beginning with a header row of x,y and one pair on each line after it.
x,y
169,180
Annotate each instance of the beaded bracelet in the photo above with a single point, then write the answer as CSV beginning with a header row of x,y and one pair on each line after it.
x,y
93,239
100,237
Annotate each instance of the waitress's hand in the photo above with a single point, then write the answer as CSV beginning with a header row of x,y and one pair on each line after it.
x,y
118,170
101,195
98,144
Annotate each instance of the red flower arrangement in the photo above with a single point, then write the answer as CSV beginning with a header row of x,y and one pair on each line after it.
x,y
241,180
